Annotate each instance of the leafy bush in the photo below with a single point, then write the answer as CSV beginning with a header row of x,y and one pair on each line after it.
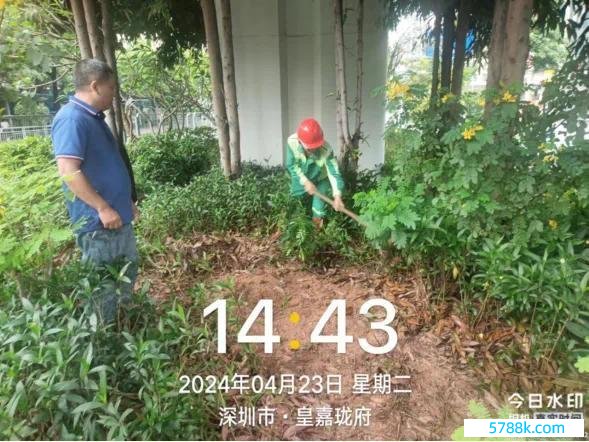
x,y
500,203
210,202
258,201
340,237
173,157
33,221
65,376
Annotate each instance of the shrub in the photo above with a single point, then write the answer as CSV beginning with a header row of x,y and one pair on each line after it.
x,y
33,219
500,204
173,157
66,376
210,203
258,201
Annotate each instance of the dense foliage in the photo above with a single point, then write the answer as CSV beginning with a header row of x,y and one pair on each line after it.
x,y
33,225
497,202
67,376
173,157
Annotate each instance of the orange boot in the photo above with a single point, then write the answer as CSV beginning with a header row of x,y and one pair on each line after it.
x,y
318,223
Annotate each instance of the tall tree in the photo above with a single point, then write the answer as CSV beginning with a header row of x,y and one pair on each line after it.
x,y
510,43
93,30
447,46
109,39
460,48
226,38
348,143
359,69
216,72
340,78
81,30
437,32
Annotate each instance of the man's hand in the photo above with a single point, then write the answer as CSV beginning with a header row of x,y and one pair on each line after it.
x,y
110,218
310,187
338,204
136,212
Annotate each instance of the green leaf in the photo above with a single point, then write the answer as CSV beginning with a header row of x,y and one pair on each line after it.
x,y
14,400
88,406
577,329
582,364
458,434
478,410
27,305
66,386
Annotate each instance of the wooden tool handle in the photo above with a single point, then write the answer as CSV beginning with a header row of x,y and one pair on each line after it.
x,y
346,211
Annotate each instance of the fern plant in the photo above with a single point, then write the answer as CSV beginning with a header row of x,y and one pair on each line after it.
x,y
477,410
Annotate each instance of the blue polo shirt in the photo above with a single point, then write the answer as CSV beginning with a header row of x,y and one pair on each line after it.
x,y
79,131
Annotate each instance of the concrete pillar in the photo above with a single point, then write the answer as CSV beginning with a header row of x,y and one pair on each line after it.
x,y
285,71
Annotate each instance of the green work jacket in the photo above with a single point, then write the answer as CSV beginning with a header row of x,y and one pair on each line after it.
x,y
314,166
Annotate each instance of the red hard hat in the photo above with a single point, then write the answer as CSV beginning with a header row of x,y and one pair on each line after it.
x,y
310,134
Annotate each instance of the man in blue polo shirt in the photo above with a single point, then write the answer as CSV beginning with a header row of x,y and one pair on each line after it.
x,y
94,171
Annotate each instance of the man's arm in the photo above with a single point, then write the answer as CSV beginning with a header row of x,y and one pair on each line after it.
x,y
69,169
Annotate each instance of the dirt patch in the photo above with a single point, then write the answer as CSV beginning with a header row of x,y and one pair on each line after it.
x,y
440,389
449,361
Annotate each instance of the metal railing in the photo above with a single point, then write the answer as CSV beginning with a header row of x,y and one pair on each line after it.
x,y
17,127
154,122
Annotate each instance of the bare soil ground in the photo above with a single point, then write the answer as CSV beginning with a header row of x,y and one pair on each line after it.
x,y
433,347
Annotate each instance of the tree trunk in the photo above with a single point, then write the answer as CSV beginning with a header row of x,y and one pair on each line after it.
x,y
216,72
359,66
436,58
340,77
93,31
447,47
497,41
81,31
509,47
117,117
459,53
341,142
517,45
354,149
98,52
226,46
109,53
54,90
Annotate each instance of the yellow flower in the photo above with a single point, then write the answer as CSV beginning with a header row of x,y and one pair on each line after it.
x,y
395,90
447,97
2,4
508,97
550,158
553,224
481,101
468,134
548,74
542,147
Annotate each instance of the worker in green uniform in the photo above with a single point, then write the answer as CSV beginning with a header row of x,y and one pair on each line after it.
x,y
313,168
